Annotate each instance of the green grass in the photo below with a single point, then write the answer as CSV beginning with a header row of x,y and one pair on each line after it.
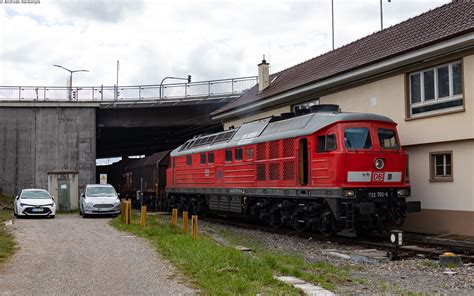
x,y
7,242
214,269
321,273
220,270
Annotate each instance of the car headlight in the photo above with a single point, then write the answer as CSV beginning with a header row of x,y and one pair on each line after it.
x,y
88,203
116,202
50,205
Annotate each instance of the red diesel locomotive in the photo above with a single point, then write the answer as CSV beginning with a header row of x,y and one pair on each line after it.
x,y
325,170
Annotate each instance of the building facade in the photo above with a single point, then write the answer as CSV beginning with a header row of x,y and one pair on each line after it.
x,y
426,86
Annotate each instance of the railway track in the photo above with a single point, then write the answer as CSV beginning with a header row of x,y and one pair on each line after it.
x,y
414,245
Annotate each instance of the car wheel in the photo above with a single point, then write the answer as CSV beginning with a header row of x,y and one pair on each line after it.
x,y
51,216
84,215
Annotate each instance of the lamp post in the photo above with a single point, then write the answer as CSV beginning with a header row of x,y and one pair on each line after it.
x,y
381,14
332,20
171,77
70,78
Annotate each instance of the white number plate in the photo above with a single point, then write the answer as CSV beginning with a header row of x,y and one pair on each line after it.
x,y
37,210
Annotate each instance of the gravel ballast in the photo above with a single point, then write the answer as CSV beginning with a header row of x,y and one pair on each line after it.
x,y
70,255
414,275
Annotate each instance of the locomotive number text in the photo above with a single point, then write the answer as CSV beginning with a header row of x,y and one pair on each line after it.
x,y
378,194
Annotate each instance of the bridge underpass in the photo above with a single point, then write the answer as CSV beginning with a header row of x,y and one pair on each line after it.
x,y
143,131
43,129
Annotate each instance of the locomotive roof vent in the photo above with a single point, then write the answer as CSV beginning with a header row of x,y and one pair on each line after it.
x,y
302,111
324,108
287,115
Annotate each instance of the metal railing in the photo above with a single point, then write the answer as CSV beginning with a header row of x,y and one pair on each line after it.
x,y
174,91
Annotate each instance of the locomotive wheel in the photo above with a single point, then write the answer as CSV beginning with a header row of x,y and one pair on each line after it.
x,y
327,224
299,222
275,220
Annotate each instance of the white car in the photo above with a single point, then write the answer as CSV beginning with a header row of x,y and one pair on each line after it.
x,y
99,200
34,202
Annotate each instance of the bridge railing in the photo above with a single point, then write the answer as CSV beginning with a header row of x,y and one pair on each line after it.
x,y
193,90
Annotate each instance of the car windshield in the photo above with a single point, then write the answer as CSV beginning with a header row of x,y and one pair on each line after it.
x,y
101,191
388,139
35,194
357,138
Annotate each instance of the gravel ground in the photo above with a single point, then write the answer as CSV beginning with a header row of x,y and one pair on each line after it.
x,y
390,277
69,255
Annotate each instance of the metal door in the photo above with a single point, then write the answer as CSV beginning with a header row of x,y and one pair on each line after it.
x,y
303,162
63,195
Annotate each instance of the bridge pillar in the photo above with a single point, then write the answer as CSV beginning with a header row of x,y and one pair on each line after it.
x,y
34,141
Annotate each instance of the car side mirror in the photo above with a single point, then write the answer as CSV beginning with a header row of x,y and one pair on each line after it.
x,y
118,194
82,194
52,197
17,197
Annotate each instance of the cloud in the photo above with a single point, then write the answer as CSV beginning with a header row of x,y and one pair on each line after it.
x,y
100,10
154,39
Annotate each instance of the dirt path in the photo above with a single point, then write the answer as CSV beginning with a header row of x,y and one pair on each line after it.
x,y
74,256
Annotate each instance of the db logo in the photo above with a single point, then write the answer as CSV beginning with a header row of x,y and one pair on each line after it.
x,y
377,176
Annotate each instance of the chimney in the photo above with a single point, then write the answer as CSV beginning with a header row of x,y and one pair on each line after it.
x,y
263,75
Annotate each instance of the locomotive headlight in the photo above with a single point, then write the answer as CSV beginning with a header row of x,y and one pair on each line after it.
x,y
379,163
348,193
403,192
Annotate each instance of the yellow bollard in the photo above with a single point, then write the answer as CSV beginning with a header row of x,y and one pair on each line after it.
x,y
185,222
143,217
174,216
128,212
194,226
125,211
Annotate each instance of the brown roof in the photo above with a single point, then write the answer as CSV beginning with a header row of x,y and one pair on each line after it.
x,y
445,22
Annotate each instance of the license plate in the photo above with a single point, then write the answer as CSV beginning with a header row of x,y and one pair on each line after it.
x,y
37,210
378,194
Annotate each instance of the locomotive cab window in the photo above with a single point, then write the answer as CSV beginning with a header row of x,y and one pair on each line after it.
x,y
249,153
203,158
189,160
357,138
388,139
238,154
326,143
228,155
210,157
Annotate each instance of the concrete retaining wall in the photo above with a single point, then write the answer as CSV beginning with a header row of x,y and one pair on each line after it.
x,y
35,141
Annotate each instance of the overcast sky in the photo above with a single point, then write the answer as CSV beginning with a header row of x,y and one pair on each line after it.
x,y
154,39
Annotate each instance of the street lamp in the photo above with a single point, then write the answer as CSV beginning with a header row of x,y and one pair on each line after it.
x,y
70,77
171,77
381,14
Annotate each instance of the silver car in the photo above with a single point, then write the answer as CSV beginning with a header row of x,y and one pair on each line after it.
x,y
99,200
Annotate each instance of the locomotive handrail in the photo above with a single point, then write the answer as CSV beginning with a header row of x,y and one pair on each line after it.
x,y
172,91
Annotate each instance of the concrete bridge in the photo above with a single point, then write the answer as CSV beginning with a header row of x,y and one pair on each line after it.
x,y
44,129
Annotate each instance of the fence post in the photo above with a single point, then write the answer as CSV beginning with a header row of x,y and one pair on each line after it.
x,y
185,222
19,93
174,216
194,226
143,217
